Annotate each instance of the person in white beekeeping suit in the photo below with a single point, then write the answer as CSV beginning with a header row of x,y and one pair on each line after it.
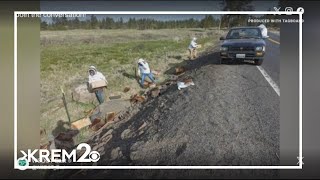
x,y
264,30
95,75
193,48
144,71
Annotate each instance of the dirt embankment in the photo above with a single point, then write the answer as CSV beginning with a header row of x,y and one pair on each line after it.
x,y
214,122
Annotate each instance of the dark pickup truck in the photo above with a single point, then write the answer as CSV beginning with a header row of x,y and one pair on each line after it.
x,y
243,43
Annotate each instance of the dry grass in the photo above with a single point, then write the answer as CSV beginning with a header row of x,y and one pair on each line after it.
x,y
66,56
117,36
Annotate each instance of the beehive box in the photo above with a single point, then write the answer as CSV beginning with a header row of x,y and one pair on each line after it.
x,y
98,84
81,123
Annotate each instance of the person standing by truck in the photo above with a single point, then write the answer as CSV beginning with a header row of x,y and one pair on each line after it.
x,y
264,30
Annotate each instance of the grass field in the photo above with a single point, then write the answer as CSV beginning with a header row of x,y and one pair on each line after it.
x,y
66,56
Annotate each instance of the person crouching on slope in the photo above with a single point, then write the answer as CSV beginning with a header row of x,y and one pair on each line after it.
x,y
94,75
145,71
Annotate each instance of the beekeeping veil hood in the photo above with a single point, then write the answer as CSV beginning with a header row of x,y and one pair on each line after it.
x,y
92,68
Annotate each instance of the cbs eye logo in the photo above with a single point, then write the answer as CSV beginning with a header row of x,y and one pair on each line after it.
x,y
94,156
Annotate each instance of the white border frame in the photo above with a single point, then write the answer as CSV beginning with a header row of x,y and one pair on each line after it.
x,y
157,13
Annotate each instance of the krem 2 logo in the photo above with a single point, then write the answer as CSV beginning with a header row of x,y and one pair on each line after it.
x,y
59,155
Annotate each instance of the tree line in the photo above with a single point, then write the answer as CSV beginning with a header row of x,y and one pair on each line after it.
x,y
224,21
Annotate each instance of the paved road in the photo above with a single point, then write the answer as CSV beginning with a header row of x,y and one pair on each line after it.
x,y
272,59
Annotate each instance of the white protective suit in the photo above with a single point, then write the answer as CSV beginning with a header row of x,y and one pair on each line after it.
x,y
97,75
264,30
144,68
193,43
